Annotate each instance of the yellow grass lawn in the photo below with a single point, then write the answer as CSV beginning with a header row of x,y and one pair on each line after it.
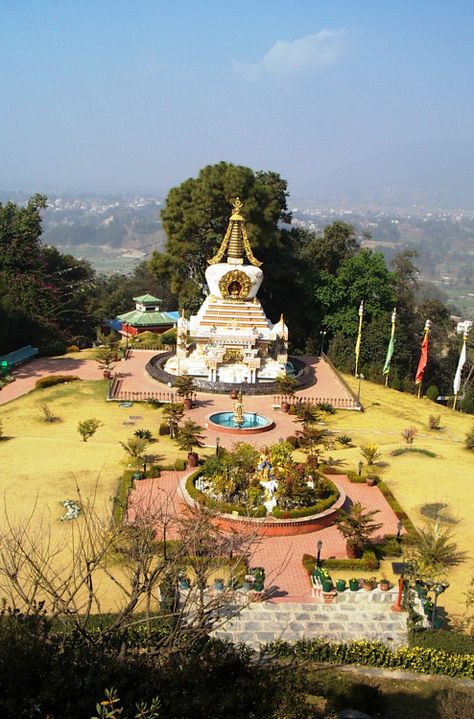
x,y
414,479
41,462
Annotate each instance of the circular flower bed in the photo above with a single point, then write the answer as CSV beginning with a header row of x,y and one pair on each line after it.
x,y
262,484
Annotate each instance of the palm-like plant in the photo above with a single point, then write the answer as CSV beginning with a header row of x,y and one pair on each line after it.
x,y
173,413
185,385
370,453
135,448
307,414
189,436
310,437
287,385
357,527
106,356
435,552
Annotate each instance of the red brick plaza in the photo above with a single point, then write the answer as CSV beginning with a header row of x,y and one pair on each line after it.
x,y
281,556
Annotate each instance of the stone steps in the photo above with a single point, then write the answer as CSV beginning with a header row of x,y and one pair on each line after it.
x,y
266,621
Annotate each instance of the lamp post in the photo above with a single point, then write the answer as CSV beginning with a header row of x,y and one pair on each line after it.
x,y
218,442
322,335
319,546
126,345
399,531
398,606
359,468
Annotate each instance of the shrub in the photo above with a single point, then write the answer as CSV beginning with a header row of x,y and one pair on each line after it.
x,y
376,654
47,414
1,428
367,563
180,465
88,427
144,434
434,422
469,441
344,439
163,429
452,642
154,471
293,440
409,450
409,434
72,348
326,407
306,511
53,379
432,393
370,453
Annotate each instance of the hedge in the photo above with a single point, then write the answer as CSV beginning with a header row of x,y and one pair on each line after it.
x,y
411,531
445,641
367,563
416,450
307,511
53,379
121,497
376,654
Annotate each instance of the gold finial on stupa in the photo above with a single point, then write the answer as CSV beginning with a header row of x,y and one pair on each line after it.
x,y
235,240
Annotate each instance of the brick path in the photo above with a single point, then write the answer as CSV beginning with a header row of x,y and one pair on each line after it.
x,y
27,374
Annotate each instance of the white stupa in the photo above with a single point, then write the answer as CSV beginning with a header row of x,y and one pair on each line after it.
x,y
234,340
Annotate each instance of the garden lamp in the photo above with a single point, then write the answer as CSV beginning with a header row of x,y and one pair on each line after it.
x,y
399,531
359,467
322,335
218,442
319,546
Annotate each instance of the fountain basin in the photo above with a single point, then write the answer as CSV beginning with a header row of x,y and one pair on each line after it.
x,y
253,423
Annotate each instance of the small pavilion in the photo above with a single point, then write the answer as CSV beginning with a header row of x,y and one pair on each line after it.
x,y
146,317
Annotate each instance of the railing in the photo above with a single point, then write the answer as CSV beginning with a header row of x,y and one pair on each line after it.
x,y
337,402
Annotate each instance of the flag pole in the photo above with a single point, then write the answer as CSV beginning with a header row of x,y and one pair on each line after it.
x,y
359,338
391,345
462,360
423,358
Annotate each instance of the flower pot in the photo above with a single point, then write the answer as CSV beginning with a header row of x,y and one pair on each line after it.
x,y
234,394
188,403
327,585
371,481
247,586
184,583
438,623
219,585
384,586
107,374
328,597
341,585
137,476
284,406
193,459
368,586
354,585
352,551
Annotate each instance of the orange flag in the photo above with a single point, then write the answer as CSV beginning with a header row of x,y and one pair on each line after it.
x,y
424,355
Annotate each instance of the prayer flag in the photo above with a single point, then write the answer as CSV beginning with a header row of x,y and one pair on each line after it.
x,y
391,344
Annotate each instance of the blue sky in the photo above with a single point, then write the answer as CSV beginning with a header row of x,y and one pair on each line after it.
x,y
122,95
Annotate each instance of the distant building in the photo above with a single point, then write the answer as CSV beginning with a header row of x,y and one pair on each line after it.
x,y
146,317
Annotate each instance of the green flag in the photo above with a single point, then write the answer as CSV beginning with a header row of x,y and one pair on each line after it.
x,y
391,344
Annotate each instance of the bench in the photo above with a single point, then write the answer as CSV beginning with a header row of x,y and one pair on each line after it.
x,y
18,356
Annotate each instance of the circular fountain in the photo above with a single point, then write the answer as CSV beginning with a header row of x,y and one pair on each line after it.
x,y
238,421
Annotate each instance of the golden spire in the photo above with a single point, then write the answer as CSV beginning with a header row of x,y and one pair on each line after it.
x,y
235,240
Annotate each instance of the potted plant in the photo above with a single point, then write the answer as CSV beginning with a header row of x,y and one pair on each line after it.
x,y
286,386
326,584
341,585
371,480
357,526
219,584
185,388
354,584
328,597
189,436
384,584
368,584
106,356
258,574
247,584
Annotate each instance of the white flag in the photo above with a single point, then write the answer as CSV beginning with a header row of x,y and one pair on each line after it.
x,y
457,378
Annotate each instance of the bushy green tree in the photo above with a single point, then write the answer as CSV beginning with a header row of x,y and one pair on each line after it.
x,y
88,427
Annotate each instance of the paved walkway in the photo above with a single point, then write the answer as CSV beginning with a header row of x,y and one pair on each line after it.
x,y
281,556
26,374
327,385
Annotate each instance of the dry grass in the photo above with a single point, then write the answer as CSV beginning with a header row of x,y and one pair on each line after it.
x,y
42,461
415,479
